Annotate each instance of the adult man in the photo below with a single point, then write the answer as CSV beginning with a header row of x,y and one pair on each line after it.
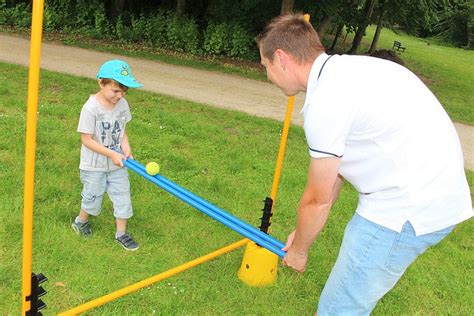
x,y
375,124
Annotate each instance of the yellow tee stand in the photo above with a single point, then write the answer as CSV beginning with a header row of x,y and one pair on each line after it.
x,y
259,266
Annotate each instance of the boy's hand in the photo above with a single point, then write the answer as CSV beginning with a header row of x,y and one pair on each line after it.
x,y
117,159
127,151
128,154
125,146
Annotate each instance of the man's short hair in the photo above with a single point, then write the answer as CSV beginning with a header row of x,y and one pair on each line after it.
x,y
293,34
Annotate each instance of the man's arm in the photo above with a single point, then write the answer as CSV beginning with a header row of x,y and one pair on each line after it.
x,y
337,188
320,193
90,143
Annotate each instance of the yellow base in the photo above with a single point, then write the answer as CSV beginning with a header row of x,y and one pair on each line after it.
x,y
259,266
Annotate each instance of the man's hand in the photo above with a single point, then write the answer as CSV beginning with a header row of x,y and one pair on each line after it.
x,y
294,259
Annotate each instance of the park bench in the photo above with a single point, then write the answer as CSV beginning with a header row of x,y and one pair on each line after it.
x,y
398,46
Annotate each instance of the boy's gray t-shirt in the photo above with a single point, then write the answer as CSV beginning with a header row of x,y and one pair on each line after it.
x,y
107,127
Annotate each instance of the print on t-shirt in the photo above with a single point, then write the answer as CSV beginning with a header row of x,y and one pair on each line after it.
x,y
110,136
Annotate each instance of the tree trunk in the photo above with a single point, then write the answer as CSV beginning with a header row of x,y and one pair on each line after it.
x,y
287,6
368,8
470,33
375,40
345,37
115,9
180,5
340,27
323,25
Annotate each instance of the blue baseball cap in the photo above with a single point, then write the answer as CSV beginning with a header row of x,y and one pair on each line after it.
x,y
119,71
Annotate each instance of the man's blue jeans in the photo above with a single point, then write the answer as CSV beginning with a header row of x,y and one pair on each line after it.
x,y
371,260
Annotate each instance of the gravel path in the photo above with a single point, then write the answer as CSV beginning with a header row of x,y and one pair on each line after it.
x,y
220,90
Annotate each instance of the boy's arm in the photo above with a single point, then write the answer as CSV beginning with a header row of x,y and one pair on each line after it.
x,y
127,150
90,143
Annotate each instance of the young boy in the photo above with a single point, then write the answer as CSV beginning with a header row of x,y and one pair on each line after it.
x,y
104,146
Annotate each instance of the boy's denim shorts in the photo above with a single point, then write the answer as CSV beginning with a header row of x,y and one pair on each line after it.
x,y
371,260
117,186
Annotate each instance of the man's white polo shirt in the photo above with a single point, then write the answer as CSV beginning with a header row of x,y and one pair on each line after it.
x,y
398,147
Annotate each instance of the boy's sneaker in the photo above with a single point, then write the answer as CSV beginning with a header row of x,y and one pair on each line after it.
x,y
83,229
127,242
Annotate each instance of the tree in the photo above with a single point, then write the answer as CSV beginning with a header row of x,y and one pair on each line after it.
x,y
115,8
375,40
180,5
323,25
340,27
455,22
287,6
342,13
363,22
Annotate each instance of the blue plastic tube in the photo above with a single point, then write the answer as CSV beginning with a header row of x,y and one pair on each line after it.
x,y
213,207
250,235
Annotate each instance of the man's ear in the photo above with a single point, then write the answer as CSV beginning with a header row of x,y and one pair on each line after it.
x,y
282,58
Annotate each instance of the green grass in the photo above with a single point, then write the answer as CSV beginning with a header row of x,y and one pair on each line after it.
x,y
226,157
448,71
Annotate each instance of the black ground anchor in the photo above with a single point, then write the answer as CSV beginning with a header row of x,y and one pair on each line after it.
x,y
36,292
267,214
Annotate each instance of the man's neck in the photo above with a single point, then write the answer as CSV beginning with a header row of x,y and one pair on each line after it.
x,y
303,73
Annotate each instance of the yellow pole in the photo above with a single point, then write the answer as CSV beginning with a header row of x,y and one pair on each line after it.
x,y
30,147
259,266
284,138
159,277
281,152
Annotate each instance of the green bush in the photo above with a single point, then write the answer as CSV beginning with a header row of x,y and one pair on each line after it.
x,y
18,16
123,32
84,12
3,16
50,19
217,39
138,28
228,39
190,35
156,29
242,43
182,34
59,14
162,29
101,26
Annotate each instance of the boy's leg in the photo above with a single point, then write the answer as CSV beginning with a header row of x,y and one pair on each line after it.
x,y
371,260
94,184
121,226
83,216
118,189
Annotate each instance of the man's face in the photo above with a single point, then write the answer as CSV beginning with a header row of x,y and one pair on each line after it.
x,y
278,74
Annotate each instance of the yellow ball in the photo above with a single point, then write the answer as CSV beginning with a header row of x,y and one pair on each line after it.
x,y
152,168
